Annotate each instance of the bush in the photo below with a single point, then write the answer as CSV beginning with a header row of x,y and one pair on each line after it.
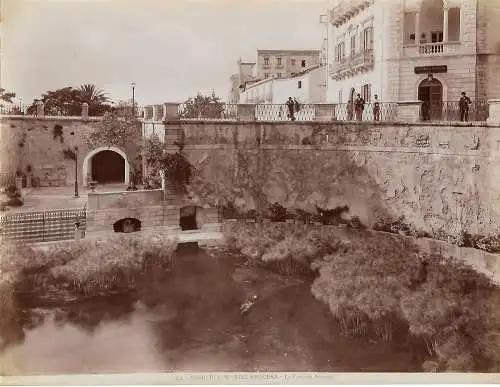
x,y
88,267
12,192
14,202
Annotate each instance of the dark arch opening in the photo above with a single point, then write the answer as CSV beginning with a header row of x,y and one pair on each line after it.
x,y
127,225
108,167
430,92
188,218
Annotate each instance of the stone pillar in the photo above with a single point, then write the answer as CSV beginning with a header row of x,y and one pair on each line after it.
x,y
40,109
172,111
164,185
155,112
494,112
445,22
19,183
409,111
246,112
324,112
85,110
417,27
164,116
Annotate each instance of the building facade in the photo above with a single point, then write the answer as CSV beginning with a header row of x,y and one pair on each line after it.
x,y
239,79
390,47
285,63
308,87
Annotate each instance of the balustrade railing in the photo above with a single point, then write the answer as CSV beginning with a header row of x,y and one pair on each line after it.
x,y
282,112
450,111
215,111
42,226
387,111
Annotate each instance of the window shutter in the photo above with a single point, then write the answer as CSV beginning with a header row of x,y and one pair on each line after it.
x,y
371,38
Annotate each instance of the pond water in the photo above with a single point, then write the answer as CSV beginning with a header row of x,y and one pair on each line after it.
x,y
190,320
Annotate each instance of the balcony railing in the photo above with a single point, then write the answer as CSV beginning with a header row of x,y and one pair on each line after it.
x,y
431,49
350,66
346,10
281,112
387,111
477,111
211,111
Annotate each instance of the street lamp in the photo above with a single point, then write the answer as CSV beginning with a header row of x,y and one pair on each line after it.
x,y
76,172
133,98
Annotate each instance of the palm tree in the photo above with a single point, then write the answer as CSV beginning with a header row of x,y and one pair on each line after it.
x,y
95,97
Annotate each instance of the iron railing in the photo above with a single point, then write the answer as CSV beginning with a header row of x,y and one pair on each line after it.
x,y
42,226
7,179
209,111
16,110
281,112
450,111
387,111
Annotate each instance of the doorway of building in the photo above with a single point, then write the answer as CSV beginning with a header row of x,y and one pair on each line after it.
x,y
188,218
430,91
108,167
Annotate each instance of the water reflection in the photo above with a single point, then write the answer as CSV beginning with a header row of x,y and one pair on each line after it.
x,y
188,319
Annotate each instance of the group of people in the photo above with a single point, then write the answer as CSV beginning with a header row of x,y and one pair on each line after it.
x,y
356,108
463,108
293,107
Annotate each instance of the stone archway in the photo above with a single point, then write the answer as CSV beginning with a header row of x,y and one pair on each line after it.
x,y
87,163
430,91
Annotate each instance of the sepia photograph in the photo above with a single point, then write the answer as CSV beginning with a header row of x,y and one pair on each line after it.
x,y
256,188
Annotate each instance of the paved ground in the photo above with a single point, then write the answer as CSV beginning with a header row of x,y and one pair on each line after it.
x,y
51,198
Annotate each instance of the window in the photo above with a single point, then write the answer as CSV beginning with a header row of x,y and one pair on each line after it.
x,y
303,63
266,75
279,75
299,84
367,36
366,92
340,52
266,61
278,61
293,62
353,45
340,96
437,36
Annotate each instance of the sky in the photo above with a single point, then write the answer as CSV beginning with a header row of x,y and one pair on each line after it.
x,y
171,49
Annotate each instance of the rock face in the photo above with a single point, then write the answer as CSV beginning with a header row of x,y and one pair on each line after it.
x,y
441,178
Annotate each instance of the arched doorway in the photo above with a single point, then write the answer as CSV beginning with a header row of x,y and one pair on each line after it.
x,y
430,91
106,165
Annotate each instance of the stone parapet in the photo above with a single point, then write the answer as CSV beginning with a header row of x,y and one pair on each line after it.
x,y
324,111
494,112
246,112
409,111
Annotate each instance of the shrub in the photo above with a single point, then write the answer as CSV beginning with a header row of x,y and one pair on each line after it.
x,y
278,213
14,202
88,267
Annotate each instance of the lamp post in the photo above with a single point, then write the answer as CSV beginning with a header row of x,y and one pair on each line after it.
x,y
76,172
133,99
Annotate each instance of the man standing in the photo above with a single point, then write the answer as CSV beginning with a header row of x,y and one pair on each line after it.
x,y
376,108
291,108
463,106
359,106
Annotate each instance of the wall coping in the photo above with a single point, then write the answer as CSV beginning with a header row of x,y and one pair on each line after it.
x,y
122,192
51,118
340,122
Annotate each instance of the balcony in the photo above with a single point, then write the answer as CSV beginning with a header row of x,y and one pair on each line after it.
x,y
280,65
266,66
347,9
349,67
431,49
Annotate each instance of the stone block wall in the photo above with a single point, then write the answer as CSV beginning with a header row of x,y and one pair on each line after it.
x,y
26,140
440,177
